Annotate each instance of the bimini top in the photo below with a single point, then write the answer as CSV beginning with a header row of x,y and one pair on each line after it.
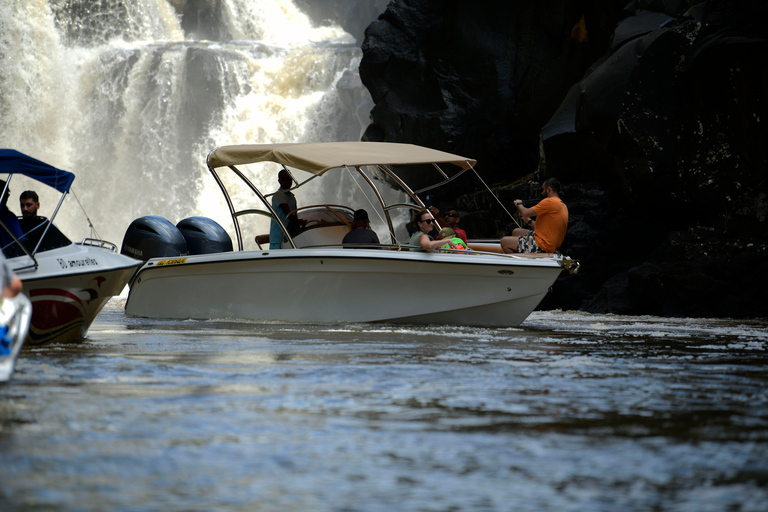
x,y
13,162
319,157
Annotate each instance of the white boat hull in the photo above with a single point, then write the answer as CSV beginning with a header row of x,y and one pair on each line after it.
x,y
344,285
69,288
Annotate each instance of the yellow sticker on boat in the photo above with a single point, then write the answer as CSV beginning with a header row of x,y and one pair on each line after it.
x,y
176,261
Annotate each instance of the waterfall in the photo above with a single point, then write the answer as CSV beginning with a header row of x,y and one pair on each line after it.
x,y
131,95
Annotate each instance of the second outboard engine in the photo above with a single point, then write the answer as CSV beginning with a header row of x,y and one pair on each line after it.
x,y
204,236
153,237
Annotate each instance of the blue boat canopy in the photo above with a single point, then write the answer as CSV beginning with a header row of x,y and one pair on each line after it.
x,y
14,162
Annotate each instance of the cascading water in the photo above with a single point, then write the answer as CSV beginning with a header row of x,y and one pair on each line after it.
x,y
132,95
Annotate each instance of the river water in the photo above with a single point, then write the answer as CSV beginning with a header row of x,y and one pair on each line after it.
x,y
570,411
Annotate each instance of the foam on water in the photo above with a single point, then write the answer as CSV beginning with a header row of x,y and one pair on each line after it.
x,y
117,93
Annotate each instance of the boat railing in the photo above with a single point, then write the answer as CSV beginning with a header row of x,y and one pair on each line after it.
x,y
95,242
408,247
571,265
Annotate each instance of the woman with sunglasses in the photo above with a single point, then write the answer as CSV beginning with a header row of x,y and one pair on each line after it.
x,y
424,223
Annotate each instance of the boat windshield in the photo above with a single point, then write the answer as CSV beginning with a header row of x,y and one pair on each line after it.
x,y
33,229
324,217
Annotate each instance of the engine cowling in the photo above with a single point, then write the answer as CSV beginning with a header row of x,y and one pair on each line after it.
x,y
204,236
153,237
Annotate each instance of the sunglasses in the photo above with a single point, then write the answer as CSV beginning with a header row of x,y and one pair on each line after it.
x,y
451,214
428,221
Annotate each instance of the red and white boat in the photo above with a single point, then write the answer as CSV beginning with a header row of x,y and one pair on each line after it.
x,y
68,283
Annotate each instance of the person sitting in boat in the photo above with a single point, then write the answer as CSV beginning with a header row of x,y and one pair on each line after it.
x,y
30,221
283,202
361,232
29,203
9,220
547,231
421,239
448,234
450,220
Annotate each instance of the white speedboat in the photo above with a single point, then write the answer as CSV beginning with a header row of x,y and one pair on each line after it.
x,y
15,314
68,283
312,277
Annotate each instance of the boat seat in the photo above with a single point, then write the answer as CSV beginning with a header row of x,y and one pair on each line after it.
x,y
262,240
486,247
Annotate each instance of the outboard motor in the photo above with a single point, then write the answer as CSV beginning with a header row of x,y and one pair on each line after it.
x,y
204,236
153,237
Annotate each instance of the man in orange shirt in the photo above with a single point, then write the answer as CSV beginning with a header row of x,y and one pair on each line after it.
x,y
548,230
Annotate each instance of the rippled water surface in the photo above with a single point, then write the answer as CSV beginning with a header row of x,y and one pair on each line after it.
x,y
571,411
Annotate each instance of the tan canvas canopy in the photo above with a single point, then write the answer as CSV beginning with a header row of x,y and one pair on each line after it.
x,y
322,156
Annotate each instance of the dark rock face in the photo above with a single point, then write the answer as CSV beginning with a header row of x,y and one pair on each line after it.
x,y
653,115
478,79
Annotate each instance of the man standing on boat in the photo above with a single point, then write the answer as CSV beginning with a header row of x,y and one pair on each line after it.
x,y
548,230
283,202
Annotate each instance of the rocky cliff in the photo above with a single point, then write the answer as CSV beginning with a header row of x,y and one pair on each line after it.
x,y
653,114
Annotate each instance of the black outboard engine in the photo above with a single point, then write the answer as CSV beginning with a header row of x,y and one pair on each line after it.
x,y
153,237
204,236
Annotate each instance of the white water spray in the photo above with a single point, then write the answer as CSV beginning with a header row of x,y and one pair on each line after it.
x,y
119,94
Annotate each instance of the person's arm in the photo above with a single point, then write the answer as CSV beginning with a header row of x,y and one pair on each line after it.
x,y
14,288
431,245
525,213
10,281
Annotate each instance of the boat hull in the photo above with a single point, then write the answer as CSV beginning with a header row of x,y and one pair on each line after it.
x,y
69,288
337,285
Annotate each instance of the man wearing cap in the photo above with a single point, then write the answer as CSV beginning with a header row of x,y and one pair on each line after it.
x,y
361,232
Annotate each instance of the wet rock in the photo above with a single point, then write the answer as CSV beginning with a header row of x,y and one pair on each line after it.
x,y
652,114
203,19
